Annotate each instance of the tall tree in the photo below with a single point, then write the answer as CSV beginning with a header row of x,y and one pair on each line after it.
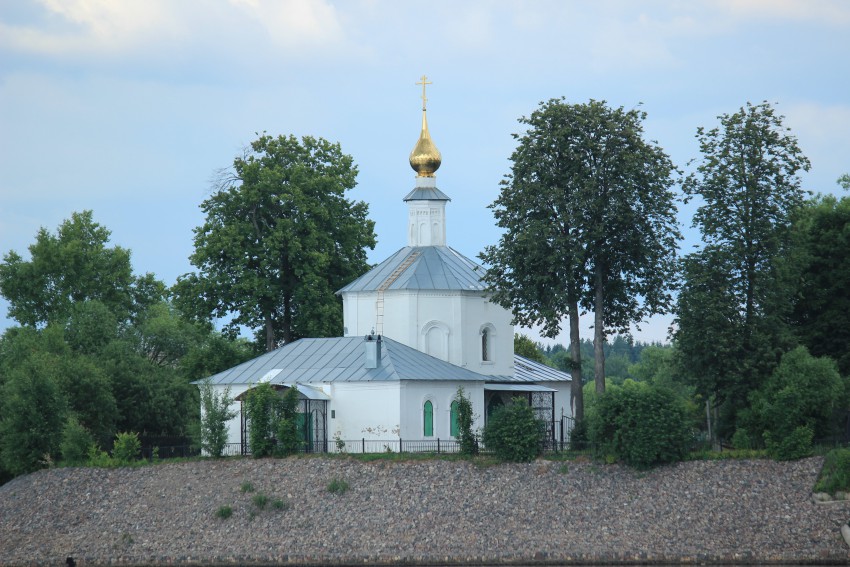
x,y
71,267
589,222
279,239
747,180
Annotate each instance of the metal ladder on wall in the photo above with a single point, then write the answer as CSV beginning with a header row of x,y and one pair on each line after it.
x,y
379,303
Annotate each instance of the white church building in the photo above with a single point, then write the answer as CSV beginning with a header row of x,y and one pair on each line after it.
x,y
417,327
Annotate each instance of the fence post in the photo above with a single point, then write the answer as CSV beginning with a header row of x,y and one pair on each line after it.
x,y
363,446
438,445
400,450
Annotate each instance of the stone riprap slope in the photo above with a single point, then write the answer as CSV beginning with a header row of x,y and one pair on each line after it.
x,y
421,512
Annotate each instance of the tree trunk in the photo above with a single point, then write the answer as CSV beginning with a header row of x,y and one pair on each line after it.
x,y
576,391
269,333
599,332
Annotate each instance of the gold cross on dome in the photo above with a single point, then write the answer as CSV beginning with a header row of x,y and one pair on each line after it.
x,y
424,81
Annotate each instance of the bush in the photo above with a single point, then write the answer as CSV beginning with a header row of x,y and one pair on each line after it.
x,y
742,439
76,441
224,512
797,445
640,424
127,448
835,475
215,413
288,441
98,457
578,436
466,438
261,407
803,392
513,433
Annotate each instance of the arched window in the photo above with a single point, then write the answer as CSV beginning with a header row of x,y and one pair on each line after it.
x,y
428,419
488,342
453,428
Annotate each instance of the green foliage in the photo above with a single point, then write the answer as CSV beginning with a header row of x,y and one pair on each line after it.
x,y
279,504
796,445
524,346
736,294
246,487
99,458
835,474
215,413
579,436
76,441
338,486
127,447
822,299
288,440
589,221
467,439
213,353
224,512
799,402
278,240
261,407
72,267
743,439
513,433
32,415
640,424
260,500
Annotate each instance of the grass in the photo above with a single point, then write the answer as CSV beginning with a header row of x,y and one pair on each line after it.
x,y
338,486
260,500
224,512
280,504
247,487
835,474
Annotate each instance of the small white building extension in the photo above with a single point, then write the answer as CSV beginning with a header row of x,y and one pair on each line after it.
x,y
418,326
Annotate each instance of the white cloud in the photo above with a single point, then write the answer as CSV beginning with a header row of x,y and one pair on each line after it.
x,y
830,12
108,29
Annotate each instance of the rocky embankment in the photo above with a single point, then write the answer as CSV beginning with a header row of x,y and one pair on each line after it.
x,y
425,512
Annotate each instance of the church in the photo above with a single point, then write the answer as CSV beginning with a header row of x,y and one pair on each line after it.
x,y
417,327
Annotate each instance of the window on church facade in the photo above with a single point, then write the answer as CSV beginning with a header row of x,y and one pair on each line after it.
x,y
453,428
485,345
428,419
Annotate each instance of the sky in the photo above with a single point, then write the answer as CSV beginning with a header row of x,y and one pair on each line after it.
x,y
129,108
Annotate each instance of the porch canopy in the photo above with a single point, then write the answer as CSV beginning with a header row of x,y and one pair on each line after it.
x,y
517,388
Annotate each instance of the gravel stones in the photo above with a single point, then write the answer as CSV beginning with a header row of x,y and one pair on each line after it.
x,y
421,512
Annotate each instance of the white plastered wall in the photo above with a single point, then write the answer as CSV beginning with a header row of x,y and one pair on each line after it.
x,y
409,314
414,394
360,410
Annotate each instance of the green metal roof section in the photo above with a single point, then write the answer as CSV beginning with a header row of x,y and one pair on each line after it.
x,y
437,268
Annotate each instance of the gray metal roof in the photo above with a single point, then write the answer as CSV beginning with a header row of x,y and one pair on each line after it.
x,y
426,194
527,370
423,268
342,359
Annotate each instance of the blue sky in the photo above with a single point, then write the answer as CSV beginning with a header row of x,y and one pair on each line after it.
x,y
129,107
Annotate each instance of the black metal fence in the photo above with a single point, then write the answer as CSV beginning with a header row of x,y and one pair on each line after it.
x,y
556,437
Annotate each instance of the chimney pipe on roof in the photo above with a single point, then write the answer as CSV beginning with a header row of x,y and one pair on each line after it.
x,y
373,351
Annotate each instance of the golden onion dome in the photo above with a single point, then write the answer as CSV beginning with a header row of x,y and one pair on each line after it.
x,y
425,158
